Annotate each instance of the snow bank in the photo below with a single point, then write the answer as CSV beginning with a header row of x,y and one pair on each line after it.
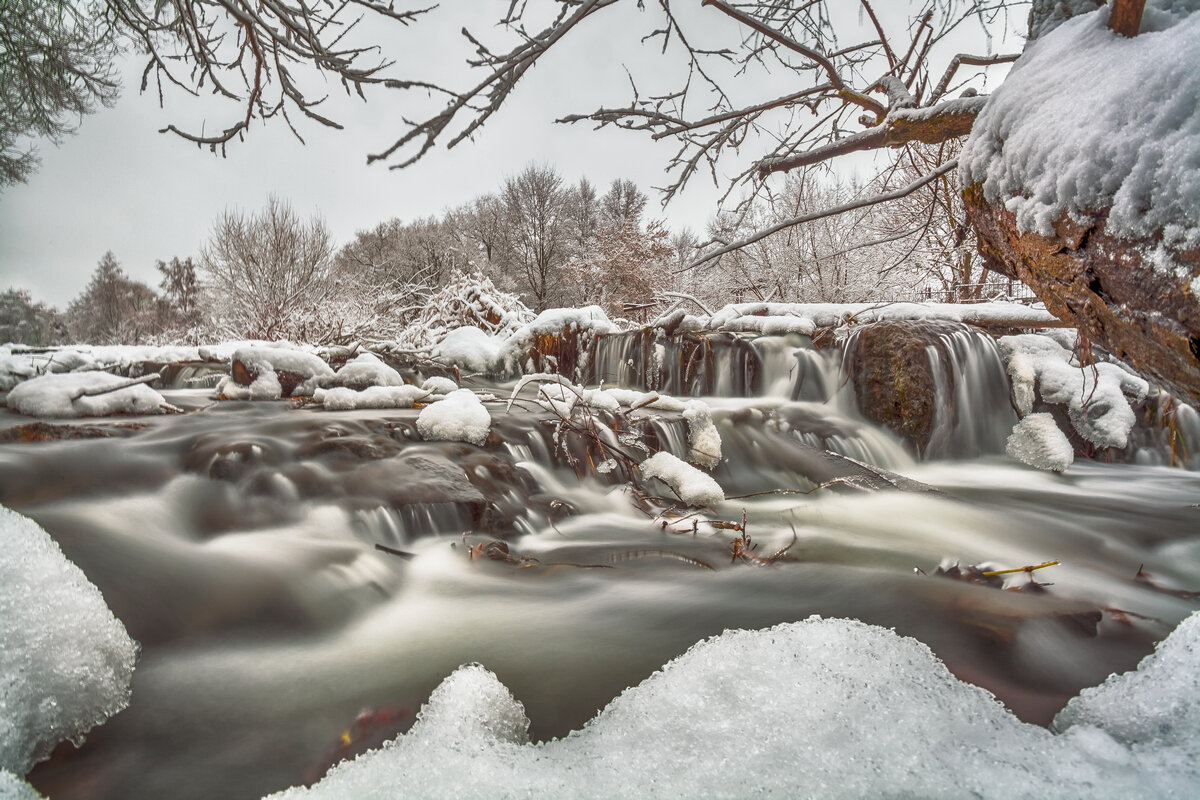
x,y
341,398
1088,120
690,484
55,395
459,417
1097,397
367,370
1037,441
820,708
65,661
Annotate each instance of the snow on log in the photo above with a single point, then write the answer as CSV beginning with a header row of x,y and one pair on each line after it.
x,y
85,394
690,484
1082,179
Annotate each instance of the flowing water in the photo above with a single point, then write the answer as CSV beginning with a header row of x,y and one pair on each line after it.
x,y
237,544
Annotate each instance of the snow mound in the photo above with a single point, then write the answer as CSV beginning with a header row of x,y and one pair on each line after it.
x,y
690,484
439,385
1037,441
59,395
65,661
341,398
466,301
1088,120
367,370
459,417
820,708
1097,397
470,348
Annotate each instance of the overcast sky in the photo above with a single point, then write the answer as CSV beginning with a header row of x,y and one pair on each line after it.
x,y
120,185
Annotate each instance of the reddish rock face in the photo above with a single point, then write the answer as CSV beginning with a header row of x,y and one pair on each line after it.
x,y
1106,287
245,375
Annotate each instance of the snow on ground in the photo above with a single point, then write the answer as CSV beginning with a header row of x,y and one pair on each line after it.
x,y
1097,396
65,661
690,484
824,708
60,395
1088,119
1037,441
341,398
459,417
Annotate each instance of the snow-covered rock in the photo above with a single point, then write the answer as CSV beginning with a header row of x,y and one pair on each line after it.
x,y
257,372
1097,396
366,370
65,661
1037,441
824,708
438,384
61,395
704,441
459,417
471,349
690,484
341,398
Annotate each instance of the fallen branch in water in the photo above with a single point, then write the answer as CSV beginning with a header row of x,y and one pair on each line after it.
x,y
1043,565
402,553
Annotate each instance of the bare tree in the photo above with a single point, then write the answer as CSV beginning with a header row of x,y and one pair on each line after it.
x,y
537,234
55,66
270,275
623,202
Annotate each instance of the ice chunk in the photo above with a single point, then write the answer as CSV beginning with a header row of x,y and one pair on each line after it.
x,y
60,395
1155,710
13,788
704,441
820,708
690,484
65,661
341,398
460,417
1037,441
367,370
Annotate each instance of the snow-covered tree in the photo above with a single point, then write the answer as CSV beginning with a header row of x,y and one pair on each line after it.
x,y
113,308
622,265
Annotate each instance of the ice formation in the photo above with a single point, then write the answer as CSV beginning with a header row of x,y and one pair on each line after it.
x,y
1097,397
1037,441
459,417
704,442
65,661
820,708
60,395
1089,120
690,484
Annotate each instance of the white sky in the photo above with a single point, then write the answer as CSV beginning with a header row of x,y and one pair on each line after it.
x,y
120,185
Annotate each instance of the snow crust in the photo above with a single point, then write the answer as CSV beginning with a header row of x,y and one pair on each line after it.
x,y
1097,397
51,396
459,417
823,708
65,661
1088,120
690,484
1037,441
341,398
